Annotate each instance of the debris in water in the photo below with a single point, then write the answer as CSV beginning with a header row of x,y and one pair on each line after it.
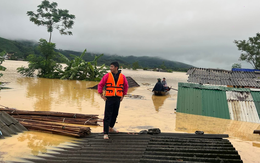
x,y
134,96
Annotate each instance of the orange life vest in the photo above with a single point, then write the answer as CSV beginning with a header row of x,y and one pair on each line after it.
x,y
112,88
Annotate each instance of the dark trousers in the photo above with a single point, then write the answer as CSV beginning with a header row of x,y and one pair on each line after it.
x,y
111,112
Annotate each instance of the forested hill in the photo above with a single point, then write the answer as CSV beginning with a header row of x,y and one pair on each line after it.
x,y
22,49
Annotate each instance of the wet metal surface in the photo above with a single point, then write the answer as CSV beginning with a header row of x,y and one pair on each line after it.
x,y
164,147
9,126
242,107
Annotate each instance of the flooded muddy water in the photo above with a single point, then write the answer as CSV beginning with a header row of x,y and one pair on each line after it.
x,y
135,114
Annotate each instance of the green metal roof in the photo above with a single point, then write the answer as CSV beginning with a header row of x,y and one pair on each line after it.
x,y
189,100
213,101
202,100
215,104
256,98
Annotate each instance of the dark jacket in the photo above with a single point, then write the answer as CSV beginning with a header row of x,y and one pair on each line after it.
x,y
158,87
116,76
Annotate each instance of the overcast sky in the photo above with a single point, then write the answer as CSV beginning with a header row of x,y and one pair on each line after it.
x,y
196,32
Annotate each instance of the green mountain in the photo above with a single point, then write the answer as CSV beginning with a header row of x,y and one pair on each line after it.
x,y
22,48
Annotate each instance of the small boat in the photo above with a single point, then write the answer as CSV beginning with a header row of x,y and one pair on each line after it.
x,y
162,93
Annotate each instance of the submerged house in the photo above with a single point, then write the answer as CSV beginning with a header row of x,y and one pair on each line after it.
x,y
9,55
242,104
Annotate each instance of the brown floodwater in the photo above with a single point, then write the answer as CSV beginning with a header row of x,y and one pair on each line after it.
x,y
134,115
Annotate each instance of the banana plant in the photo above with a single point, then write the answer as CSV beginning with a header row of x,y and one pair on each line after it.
x,y
79,69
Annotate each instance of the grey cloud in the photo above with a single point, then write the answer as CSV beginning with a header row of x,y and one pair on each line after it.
x,y
198,32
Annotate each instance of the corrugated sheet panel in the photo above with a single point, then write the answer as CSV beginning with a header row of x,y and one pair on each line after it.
x,y
240,96
193,85
241,107
223,77
244,69
202,102
189,100
163,148
9,125
256,97
215,104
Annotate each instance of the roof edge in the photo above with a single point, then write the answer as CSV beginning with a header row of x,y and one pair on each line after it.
x,y
210,87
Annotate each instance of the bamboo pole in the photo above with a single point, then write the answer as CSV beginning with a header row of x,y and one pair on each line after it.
x,y
70,128
81,121
51,122
48,113
55,128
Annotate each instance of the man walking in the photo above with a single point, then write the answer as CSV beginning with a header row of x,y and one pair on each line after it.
x,y
116,88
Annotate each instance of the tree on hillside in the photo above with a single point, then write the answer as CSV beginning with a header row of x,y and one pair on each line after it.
x,y
48,15
135,65
163,66
236,65
250,50
2,68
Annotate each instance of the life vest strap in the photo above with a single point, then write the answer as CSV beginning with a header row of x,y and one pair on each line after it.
x,y
115,87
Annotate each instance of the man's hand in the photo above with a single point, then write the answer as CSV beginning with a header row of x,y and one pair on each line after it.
x,y
122,98
104,97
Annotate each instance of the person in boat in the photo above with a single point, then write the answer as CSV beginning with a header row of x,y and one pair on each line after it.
x,y
164,83
116,88
158,86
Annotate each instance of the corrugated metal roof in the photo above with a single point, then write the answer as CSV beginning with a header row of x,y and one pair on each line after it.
x,y
200,101
256,97
9,125
222,102
244,69
241,107
214,104
189,101
243,111
239,96
199,86
164,147
223,77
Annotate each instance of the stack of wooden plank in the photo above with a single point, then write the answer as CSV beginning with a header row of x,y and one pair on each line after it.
x,y
52,122
55,128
